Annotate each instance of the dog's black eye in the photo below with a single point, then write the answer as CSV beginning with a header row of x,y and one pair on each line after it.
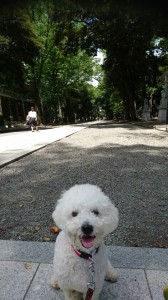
x,y
96,212
74,213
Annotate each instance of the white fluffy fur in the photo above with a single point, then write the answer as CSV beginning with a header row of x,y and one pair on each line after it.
x,y
71,273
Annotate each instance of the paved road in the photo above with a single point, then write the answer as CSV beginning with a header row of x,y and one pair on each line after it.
x,y
14,145
26,269
129,163
118,155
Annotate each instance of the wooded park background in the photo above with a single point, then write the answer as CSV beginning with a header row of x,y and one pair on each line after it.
x,y
48,50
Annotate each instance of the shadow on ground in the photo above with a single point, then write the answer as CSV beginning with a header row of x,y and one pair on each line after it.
x,y
134,176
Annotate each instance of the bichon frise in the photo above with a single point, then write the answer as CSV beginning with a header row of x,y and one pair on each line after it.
x,y
85,215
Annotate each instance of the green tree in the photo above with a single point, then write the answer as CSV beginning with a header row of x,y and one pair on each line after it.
x,y
61,70
18,46
68,30
67,77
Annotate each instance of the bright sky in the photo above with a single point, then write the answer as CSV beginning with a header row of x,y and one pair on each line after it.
x,y
99,56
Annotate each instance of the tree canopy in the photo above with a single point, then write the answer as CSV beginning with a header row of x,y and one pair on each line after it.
x,y
47,50
18,46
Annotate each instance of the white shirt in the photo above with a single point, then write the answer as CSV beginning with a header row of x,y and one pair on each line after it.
x,y
32,114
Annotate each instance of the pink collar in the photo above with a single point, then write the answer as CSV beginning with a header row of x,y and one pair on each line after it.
x,y
84,255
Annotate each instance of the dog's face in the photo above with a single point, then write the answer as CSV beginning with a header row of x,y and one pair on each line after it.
x,y
86,215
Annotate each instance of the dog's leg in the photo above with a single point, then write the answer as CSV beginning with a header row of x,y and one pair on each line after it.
x,y
72,295
111,273
54,283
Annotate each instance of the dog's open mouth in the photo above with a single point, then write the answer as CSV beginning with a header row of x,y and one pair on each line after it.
x,y
87,241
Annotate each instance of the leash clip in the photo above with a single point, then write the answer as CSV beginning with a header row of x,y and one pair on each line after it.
x,y
91,285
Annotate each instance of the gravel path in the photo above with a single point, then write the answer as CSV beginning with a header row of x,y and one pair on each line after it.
x,y
129,163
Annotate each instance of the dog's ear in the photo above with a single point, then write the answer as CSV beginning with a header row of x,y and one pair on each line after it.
x,y
114,216
57,215
111,217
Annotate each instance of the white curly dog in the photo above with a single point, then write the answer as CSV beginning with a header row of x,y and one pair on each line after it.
x,y
85,215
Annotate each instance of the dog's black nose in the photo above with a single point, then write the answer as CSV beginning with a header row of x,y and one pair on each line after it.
x,y
87,228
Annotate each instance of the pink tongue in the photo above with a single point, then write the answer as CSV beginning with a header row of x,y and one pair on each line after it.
x,y
87,241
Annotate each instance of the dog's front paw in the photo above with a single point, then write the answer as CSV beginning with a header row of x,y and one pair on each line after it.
x,y
111,273
54,283
113,277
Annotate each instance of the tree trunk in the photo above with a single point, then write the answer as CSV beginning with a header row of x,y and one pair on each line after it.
x,y
126,110
132,109
1,114
129,105
37,100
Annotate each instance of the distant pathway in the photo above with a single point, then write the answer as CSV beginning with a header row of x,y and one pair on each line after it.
x,y
14,145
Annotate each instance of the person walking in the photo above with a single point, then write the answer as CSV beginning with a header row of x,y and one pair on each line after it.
x,y
32,119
